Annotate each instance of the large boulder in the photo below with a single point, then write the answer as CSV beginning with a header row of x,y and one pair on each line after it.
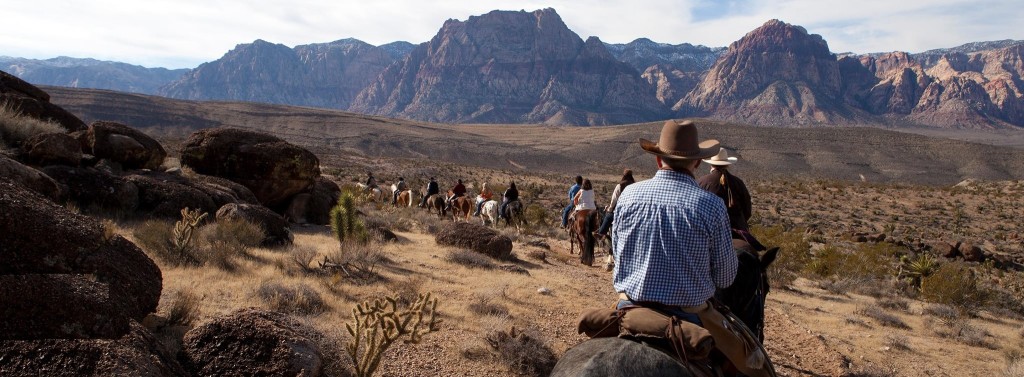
x,y
52,148
477,238
164,195
32,101
40,237
125,145
252,342
60,306
972,252
30,178
94,190
272,168
137,353
275,228
222,191
314,206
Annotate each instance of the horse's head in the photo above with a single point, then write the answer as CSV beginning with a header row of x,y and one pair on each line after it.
x,y
746,296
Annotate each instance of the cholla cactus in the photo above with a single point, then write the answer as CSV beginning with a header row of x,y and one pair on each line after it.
x,y
184,230
378,324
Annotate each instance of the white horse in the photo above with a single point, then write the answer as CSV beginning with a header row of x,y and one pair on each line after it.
x,y
404,198
374,194
489,213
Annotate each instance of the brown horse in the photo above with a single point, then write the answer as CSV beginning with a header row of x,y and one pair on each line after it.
x,y
404,197
581,232
461,207
435,203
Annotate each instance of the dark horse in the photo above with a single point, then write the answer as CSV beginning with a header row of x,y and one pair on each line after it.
x,y
619,357
435,203
514,214
581,233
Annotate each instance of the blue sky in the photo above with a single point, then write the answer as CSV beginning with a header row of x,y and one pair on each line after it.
x,y
185,33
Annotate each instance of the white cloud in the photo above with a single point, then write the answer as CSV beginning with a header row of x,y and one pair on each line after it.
x,y
184,33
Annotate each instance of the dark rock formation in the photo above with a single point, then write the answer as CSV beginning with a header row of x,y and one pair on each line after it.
x,y
477,238
31,101
511,67
272,168
274,226
137,353
62,306
125,145
252,342
314,206
40,237
30,178
164,195
52,149
94,190
322,75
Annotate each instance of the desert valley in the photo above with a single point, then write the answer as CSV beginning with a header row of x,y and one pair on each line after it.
x,y
213,224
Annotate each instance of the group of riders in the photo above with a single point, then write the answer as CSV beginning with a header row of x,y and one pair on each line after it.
x,y
510,195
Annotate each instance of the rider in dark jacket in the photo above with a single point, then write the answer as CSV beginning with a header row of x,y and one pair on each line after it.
x,y
432,189
510,195
457,191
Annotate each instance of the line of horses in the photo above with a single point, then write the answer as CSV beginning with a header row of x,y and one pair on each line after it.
x,y
461,208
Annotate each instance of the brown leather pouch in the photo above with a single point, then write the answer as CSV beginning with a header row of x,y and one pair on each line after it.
x,y
599,323
640,322
734,340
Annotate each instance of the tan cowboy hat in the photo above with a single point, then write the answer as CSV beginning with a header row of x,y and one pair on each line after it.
x,y
679,142
722,158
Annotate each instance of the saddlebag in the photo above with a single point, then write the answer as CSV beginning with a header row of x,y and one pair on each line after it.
x,y
642,323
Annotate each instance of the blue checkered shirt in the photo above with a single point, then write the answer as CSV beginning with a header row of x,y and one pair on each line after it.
x,y
672,241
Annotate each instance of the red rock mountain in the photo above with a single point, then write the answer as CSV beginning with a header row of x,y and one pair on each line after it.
x,y
511,67
321,75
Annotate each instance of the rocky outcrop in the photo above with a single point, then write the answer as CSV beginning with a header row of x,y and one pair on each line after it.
x,y
95,191
30,178
477,238
125,145
137,353
52,149
33,102
272,168
28,225
314,206
670,84
511,67
275,228
777,74
322,75
253,342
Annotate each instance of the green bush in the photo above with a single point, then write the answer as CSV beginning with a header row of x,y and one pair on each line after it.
x,y
794,253
953,284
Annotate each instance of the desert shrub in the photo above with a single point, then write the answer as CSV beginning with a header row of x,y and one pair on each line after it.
x,y
408,290
915,269
538,255
358,257
302,256
953,284
941,311
523,352
826,262
882,317
893,303
868,261
538,216
795,252
220,242
300,299
898,342
15,128
484,304
155,237
470,259
182,308
961,330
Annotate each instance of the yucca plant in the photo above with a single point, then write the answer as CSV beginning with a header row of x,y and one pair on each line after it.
x,y
916,269
345,222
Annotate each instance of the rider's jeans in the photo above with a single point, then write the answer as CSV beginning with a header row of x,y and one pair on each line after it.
x,y
689,317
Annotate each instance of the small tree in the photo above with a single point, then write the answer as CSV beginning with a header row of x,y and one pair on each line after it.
x,y
345,223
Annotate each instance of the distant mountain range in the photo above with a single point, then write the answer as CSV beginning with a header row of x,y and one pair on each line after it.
x,y
528,67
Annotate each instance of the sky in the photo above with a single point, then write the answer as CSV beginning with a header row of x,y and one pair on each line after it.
x,y
186,33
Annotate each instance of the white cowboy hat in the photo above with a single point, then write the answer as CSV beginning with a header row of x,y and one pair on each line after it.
x,y
722,158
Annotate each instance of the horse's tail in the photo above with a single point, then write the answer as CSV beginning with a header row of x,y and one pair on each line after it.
x,y
587,254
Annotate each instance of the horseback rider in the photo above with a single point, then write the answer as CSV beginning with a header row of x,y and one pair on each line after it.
x,y
432,189
458,190
572,195
485,195
609,212
733,192
671,240
371,182
399,188
511,194
584,199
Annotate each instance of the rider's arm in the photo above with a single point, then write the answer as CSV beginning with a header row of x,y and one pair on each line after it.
x,y
723,258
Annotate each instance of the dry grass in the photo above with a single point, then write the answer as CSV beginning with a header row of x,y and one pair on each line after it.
x,y
183,307
882,317
522,351
470,258
298,299
16,128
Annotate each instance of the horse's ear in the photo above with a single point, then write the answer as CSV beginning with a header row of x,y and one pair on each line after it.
x,y
769,256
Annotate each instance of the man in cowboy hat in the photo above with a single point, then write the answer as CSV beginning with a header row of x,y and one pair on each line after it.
x,y
729,187
671,238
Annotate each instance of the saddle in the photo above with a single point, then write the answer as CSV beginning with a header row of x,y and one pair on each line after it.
x,y
722,332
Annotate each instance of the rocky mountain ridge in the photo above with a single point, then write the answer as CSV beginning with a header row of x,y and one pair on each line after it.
x,y
90,73
528,67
